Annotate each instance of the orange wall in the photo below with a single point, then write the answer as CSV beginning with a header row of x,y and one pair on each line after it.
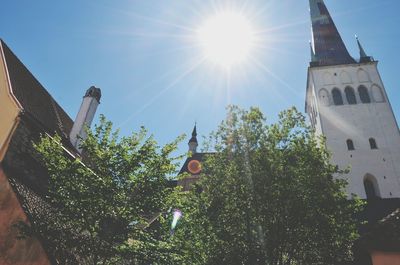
x,y
15,251
9,108
385,258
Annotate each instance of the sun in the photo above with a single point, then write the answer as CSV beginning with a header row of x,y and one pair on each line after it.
x,y
227,38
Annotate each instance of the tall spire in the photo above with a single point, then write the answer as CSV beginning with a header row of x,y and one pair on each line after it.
x,y
363,55
193,141
328,45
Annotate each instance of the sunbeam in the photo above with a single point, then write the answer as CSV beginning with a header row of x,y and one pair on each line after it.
x,y
276,77
170,72
171,85
155,20
221,42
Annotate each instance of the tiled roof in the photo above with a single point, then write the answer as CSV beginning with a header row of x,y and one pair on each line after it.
x,y
34,98
393,217
384,234
379,209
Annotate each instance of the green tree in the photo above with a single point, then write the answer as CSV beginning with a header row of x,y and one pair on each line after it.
x,y
269,197
100,207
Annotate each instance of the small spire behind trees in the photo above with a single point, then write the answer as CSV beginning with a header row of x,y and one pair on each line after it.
x,y
193,141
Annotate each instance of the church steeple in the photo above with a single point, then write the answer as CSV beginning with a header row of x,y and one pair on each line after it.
x,y
329,47
193,141
351,93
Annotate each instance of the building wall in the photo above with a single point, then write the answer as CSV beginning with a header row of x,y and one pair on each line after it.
x,y
9,109
385,258
14,251
359,123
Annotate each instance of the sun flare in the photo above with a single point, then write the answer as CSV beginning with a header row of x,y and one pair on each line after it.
x,y
227,38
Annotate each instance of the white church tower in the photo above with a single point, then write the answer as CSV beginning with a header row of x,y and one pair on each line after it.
x,y
347,102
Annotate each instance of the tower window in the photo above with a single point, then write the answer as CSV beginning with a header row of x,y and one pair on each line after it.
x,y
364,95
337,97
350,145
324,97
372,143
376,93
350,95
371,187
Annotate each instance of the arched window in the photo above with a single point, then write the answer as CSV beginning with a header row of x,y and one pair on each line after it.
x,y
377,94
337,97
350,145
371,187
350,95
364,95
372,143
324,97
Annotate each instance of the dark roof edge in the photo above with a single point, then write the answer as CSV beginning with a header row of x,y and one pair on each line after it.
x,y
57,108
10,90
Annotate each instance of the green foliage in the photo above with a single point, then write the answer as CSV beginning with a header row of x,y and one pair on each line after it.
x,y
269,197
102,204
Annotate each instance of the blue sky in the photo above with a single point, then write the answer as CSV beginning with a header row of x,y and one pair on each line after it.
x,y
141,53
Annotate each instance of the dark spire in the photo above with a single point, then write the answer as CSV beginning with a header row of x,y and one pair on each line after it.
x,y
193,141
363,55
362,52
328,45
194,135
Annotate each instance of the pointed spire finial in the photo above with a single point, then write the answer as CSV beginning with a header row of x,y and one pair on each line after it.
x,y
363,55
193,141
362,51
194,132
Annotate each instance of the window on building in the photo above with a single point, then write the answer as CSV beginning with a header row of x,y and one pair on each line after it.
x,y
324,97
372,143
337,97
376,94
350,95
350,145
371,187
364,95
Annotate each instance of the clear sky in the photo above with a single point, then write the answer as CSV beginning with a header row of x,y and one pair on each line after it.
x,y
144,56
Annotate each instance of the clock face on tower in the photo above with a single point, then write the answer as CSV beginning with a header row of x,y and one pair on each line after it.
x,y
194,167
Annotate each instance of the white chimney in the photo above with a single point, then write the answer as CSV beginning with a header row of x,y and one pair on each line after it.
x,y
85,116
